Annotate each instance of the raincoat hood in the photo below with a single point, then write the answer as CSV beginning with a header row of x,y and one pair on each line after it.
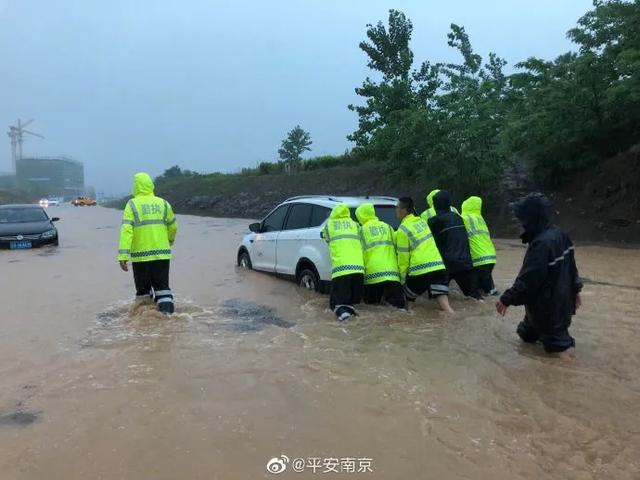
x,y
432,194
340,211
472,206
534,213
142,184
365,213
442,201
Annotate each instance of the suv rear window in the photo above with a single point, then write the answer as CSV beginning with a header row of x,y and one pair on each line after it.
x,y
386,213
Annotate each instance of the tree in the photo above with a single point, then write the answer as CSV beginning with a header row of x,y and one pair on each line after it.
x,y
459,124
172,172
582,107
609,40
297,142
400,89
470,112
440,123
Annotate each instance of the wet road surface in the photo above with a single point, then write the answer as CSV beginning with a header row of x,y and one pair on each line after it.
x,y
252,367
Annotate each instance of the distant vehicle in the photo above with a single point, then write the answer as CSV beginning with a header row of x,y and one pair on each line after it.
x,y
288,241
49,202
26,226
83,202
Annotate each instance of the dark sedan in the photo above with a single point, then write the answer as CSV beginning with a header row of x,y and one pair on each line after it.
x,y
26,226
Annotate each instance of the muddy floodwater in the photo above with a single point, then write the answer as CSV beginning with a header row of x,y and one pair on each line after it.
x,y
252,368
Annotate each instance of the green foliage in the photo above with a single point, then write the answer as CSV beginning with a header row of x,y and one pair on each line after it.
x,y
400,89
583,106
297,142
439,123
174,173
316,163
458,125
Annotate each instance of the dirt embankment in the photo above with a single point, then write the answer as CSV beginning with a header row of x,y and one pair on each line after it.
x,y
603,204
600,205
254,196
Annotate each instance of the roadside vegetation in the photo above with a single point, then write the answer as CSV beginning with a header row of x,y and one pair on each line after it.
x,y
467,126
461,124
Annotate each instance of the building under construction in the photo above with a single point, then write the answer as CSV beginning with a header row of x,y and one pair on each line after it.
x,y
51,176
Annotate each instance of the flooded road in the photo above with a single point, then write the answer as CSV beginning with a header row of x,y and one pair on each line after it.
x,y
252,367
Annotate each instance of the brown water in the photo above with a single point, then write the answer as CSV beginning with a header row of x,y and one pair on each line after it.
x,y
252,367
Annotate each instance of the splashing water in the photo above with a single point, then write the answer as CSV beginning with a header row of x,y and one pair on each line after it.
x,y
251,367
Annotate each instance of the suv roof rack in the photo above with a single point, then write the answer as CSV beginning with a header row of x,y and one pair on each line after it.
x,y
300,197
334,199
382,197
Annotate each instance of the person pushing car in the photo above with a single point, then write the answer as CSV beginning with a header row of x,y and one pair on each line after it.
x,y
421,266
483,251
381,277
347,263
452,240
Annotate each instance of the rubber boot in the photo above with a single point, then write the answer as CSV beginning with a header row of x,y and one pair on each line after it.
x,y
166,307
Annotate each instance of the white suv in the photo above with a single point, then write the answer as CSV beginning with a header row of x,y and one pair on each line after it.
x,y
288,241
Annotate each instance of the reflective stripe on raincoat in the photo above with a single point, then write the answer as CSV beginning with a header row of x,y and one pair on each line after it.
x,y
343,236
417,250
483,252
380,261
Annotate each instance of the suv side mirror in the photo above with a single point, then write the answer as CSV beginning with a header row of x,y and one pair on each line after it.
x,y
55,219
255,227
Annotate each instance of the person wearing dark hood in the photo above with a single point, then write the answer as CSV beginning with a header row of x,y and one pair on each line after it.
x,y
431,211
452,240
548,284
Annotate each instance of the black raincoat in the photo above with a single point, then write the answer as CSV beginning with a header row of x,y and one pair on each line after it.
x,y
548,282
450,235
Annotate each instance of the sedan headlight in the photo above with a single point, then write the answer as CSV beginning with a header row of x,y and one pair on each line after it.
x,y
50,233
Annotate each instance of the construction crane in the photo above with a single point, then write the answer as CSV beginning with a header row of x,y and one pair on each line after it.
x,y
15,133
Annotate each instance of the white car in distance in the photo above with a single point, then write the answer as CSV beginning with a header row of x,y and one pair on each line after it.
x,y
288,241
49,202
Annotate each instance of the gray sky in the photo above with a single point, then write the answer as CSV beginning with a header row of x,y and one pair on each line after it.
x,y
129,85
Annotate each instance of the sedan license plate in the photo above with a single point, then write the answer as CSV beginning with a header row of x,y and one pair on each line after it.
x,y
20,245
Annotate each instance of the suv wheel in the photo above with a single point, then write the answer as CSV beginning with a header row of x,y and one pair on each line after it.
x,y
244,260
308,279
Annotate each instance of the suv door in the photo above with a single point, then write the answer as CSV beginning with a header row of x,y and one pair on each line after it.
x,y
291,238
319,217
301,239
265,242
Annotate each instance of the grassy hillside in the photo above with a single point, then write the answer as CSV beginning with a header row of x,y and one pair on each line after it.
x,y
252,196
601,205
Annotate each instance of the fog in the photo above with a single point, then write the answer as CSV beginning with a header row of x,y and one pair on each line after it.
x,y
214,86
